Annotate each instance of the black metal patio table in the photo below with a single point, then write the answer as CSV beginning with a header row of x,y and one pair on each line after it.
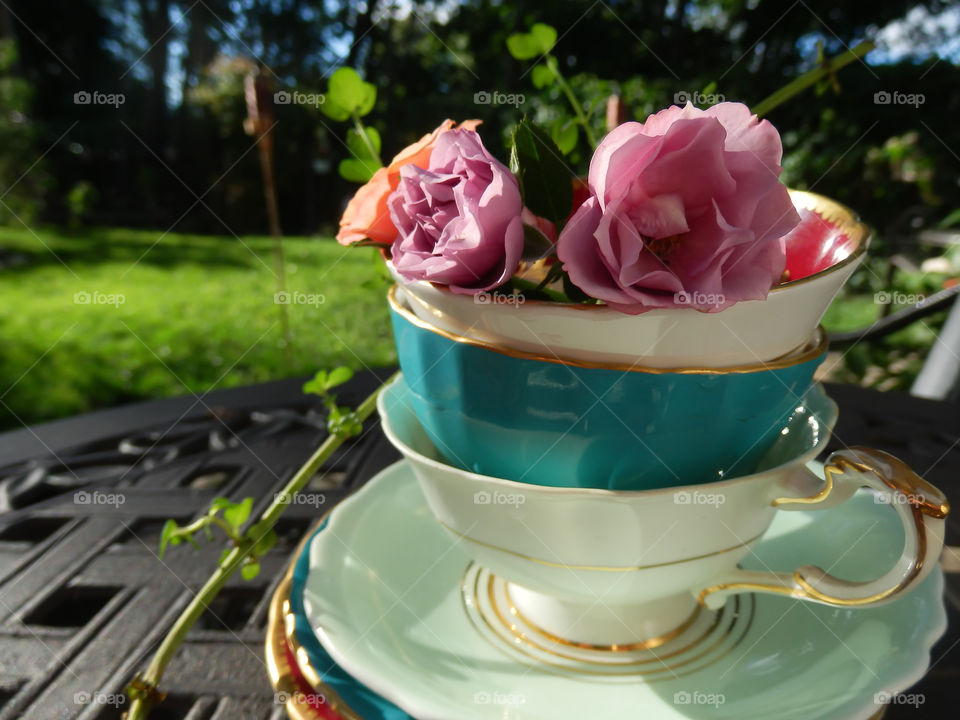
x,y
84,600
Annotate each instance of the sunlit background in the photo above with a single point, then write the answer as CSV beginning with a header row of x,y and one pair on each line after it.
x,y
136,257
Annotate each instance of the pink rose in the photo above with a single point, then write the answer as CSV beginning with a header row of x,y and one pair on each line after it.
x,y
686,209
366,217
459,219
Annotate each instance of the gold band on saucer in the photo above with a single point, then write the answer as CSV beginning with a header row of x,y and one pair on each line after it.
x,y
647,644
280,637
597,568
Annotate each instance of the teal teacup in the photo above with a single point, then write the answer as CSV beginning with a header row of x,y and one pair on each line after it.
x,y
549,421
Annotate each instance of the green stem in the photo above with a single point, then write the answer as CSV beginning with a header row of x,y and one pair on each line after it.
x,y
827,67
141,704
366,141
568,91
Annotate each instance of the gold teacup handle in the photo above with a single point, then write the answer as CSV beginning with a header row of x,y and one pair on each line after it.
x,y
922,509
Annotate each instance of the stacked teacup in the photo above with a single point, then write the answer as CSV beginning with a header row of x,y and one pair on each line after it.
x,y
608,472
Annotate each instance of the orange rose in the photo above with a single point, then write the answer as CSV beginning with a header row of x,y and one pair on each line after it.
x,y
367,216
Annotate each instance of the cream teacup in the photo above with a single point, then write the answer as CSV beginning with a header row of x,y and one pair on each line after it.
x,y
601,568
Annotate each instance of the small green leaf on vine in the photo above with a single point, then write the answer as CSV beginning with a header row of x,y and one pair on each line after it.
x,y
167,536
236,515
343,422
250,570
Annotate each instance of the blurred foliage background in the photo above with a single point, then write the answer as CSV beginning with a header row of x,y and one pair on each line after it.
x,y
173,162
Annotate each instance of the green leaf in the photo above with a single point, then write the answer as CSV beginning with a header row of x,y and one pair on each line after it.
x,y
542,76
359,148
539,41
522,46
536,245
343,422
317,385
167,535
564,134
544,37
346,88
357,170
338,376
334,110
220,503
237,514
250,570
368,99
348,91
545,180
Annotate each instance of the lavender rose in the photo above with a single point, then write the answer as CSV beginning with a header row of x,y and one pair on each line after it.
x,y
459,219
686,209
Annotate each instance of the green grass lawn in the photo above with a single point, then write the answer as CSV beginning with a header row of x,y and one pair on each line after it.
x,y
198,313
170,314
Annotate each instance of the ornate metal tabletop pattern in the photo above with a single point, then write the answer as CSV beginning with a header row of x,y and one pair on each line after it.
x,y
84,600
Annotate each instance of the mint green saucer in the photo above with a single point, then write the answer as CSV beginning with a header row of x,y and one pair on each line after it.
x,y
398,605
